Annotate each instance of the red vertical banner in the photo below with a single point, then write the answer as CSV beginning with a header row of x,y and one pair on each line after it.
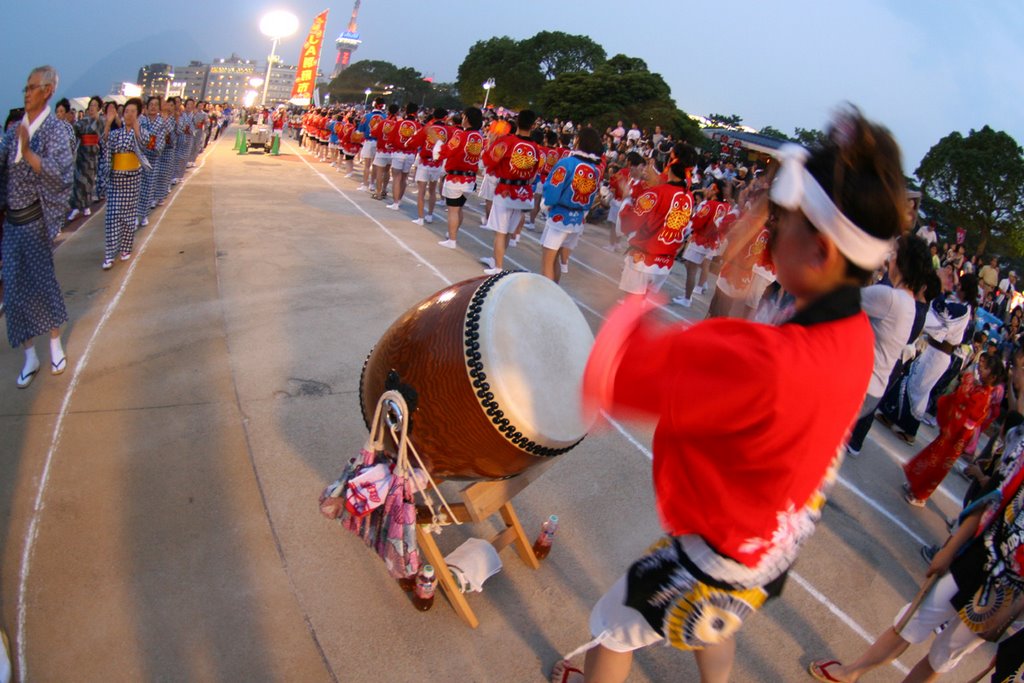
x,y
309,58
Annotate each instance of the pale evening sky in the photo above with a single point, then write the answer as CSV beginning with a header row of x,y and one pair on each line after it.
x,y
923,68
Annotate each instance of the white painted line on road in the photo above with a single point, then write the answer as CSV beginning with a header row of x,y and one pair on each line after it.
x,y
58,431
843,617
816,594
380,225
875,505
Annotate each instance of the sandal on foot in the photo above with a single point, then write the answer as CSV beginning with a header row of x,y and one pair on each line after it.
x,y
107,264
58,366
26,379
819,670
125,255
916,502
562,671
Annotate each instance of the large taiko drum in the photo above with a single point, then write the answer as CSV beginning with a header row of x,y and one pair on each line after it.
x,y
491,369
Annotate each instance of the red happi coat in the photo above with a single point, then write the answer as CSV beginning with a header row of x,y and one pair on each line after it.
x,y
552,156
380,129
707,223
739,272
658,217
425,143
403,136
461,154
350,138
514,161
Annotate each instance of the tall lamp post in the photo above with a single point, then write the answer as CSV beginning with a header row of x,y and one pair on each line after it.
x,y
488,85
367,96
276,25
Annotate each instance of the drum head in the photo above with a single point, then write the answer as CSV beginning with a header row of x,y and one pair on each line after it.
x,y
534,344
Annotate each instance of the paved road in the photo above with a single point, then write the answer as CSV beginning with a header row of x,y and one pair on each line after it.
x,y
160,497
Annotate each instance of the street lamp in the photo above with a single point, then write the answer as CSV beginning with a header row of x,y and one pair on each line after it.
x,y
488,84
276,25
367,96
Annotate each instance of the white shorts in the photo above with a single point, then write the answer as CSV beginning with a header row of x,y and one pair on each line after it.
x,y
503,220
636,281
452,190
429,174
383,159
955,641
618,627
368,150
757,287
695,253
553,238
613,214
487,187
401,162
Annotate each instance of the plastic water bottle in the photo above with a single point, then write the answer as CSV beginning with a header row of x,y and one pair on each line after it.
x,y
423,596
542,546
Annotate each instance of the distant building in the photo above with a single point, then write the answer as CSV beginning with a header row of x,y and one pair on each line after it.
x,y
221,81
194,77
156,79
282,78
229,79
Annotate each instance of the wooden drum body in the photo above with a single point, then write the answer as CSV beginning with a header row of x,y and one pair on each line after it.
x,y
491,369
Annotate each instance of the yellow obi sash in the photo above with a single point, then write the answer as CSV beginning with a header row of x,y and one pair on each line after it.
x,y
125,161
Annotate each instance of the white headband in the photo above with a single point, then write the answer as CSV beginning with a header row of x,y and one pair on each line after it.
x,y
795,188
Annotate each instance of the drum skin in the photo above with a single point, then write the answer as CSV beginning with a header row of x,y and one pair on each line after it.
x,y
427,350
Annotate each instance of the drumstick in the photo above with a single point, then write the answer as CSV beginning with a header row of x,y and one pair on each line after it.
x,y
925,587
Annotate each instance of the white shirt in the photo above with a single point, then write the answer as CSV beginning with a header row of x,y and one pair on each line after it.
x,y
891,312
925,232
32,126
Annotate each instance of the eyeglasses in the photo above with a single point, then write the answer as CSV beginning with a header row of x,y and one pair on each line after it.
x,y
33,86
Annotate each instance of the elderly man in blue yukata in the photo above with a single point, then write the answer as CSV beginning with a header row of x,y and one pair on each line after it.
x,y
36,172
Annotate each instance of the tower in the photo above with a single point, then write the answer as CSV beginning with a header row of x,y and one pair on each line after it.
x,y
347,43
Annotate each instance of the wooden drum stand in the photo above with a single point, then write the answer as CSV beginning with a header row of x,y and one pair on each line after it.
x,y
480,501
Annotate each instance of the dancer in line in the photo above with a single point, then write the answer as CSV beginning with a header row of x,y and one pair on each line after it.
x,y
740,475
36,170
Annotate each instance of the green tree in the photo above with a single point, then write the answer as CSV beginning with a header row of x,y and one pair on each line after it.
x,y
517,76
978,182
621,88
774,132
444,95
559,53
808,137
725,121
349,85
406,83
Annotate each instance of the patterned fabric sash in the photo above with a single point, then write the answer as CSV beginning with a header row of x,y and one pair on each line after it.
x,y
30,214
